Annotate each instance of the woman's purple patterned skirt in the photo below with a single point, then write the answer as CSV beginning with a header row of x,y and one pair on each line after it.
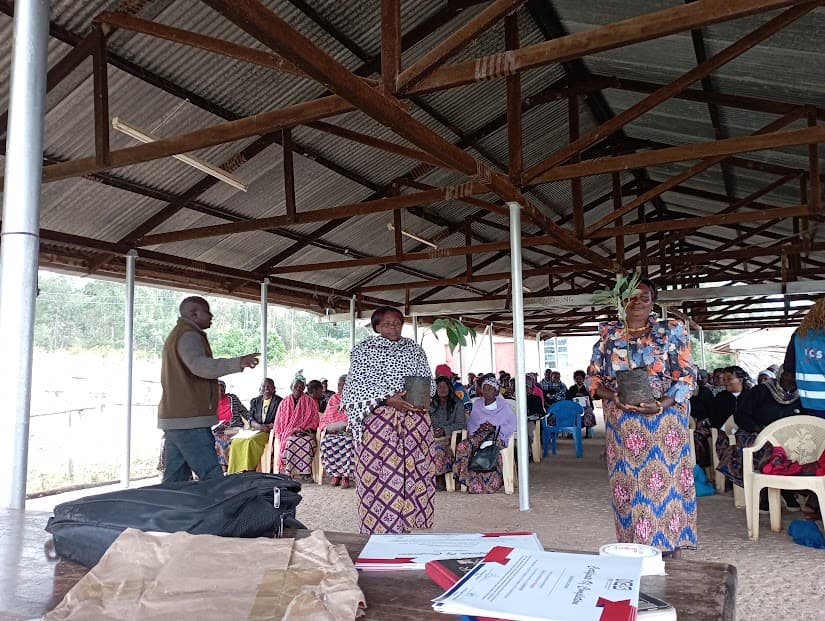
x,y
299,453
395,472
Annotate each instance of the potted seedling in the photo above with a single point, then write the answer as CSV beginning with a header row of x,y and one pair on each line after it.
x,y
418,388
633,385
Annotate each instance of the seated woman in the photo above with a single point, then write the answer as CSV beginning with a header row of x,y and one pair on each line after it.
x,y
491,411
766,403
295,425
447,415
737,384
231,415
246,452
337,447
578,389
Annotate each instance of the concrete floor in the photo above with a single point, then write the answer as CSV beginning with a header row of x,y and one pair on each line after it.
x,y
570,509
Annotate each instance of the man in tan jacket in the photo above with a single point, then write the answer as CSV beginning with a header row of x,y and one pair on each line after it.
x,y
189,404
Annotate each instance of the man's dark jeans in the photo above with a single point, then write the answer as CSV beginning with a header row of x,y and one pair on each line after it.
x,y
188,451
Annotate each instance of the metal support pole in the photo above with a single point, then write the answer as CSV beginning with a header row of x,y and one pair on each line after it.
x,y
538,349
264,326
352,322
702,346
20,235
460,358
492,351
521,371
415,328
129,349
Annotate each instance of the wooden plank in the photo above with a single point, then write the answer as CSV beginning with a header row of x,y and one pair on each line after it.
x,y
694,170
399,242
703,221
100,79
610,36
243,53
682,153
666,92
455,42
468,241
390,44
268,28
304,217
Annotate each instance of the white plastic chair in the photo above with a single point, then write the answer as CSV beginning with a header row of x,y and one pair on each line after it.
x,y
803,438
508,464
692,439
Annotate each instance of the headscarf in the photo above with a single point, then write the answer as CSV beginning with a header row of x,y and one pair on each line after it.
x,y
299,377
501,416
778,393
292,417
377,370
492,380
767,373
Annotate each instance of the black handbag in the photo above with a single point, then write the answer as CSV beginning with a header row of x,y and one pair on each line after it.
x,y
486,459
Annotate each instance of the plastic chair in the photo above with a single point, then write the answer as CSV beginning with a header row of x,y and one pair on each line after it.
x,y
568,420
535,446
320,470
692,440
803,438
509,469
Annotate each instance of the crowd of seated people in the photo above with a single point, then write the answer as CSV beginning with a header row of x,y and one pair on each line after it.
x,y
482,408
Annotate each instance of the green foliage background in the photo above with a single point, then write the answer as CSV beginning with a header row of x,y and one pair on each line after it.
x,y
77,314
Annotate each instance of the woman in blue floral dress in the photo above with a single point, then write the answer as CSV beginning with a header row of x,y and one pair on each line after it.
x,y
648,454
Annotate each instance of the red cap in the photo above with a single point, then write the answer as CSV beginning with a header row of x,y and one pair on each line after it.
x,y
443,369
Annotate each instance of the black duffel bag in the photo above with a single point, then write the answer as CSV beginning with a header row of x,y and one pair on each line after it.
x,y
237,505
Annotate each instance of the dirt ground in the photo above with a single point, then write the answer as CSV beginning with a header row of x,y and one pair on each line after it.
x,y
570,509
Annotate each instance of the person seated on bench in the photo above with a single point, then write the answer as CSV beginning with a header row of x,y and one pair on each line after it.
x,y
447,416
231,415
489,412
337,448
764,404
295,425
246,452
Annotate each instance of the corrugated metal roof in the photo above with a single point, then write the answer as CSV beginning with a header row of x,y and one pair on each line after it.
x,y
788,67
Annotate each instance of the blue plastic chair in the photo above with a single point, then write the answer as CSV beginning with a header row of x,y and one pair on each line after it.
x,y
568,420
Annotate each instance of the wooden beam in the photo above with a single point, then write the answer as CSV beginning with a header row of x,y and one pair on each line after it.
x,y
378,143
683,176
610,36
666,92
455,42
289,175
100,71
742,102
262,58
390,44
815,197
429,255
258,124
576,183
468,241
477,278
514,125
397,224
304,217
703,221
268,28
686,152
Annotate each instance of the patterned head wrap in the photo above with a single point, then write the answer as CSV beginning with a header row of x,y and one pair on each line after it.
x,y
299,377
491,381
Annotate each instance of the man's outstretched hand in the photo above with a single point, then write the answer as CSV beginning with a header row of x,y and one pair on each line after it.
x,y
250,361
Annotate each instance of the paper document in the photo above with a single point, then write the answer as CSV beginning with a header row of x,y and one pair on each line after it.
x,y
519,584
399,552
